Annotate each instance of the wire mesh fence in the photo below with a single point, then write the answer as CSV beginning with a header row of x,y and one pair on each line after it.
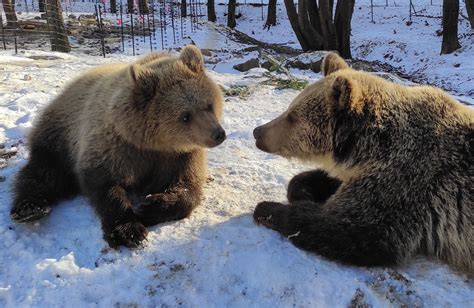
x,y
98,27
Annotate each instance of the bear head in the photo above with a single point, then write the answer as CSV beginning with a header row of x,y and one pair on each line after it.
x,y
170,104
320,124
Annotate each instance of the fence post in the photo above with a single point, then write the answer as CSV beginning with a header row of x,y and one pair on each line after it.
x,y
3,33
172,22
121,26
133,33
16,43
149,30
100,25
161,26
372,11
410,11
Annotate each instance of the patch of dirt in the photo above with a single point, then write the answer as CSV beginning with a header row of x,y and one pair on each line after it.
x,y
396,288
358,300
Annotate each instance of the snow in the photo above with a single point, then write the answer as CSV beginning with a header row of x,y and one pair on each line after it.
x,y
413,49
219,256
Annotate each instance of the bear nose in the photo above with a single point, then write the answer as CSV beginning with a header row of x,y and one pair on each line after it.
x,y
257,132
218,135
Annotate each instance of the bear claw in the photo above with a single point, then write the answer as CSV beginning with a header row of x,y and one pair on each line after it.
x,y
130,234
28,212
266,214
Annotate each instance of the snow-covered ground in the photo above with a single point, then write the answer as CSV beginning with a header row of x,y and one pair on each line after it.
x,y
412,47
217,257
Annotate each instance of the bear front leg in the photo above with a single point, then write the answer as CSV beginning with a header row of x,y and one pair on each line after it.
x,y
119,223
315,185
174,204
338,232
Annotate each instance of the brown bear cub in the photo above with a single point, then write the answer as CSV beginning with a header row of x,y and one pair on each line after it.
x,y
398,171
132,138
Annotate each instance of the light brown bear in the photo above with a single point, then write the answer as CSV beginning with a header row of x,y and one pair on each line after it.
x,y
398,171
121,132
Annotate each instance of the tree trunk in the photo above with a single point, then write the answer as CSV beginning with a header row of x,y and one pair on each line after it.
x,y
142,7
129,6
271,14
211,11
314,39
293,18
313,13
470,11
41,6
327,25
113,6
231,14
59,39
9,8
450,26
342,20
184,12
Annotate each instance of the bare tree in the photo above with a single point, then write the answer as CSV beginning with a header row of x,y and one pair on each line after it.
x,y
313,12
211,11
293,18
58,35
450,26
271,15
312,37
327,25
41,6
184,12
130,6
142,7
315,27
113,6
342,19
9,8
231,14
470,11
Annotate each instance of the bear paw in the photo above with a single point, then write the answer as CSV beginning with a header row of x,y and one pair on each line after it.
x,y
270,214
129,234
27,211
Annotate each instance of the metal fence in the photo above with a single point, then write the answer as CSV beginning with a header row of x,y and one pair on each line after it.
x,y
99,27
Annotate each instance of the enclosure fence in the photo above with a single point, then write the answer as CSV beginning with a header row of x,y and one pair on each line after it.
x,y
129,26
98,27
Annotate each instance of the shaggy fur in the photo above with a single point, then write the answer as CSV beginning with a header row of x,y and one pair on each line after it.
x,y
399,171
122,132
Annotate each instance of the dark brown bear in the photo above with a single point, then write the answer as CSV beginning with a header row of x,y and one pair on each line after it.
x,y
397,174
122,132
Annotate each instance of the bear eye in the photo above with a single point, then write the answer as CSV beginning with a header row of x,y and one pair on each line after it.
x,y
210,107
186,117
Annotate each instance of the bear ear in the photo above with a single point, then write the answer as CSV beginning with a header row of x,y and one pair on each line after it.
x,y
145,82
345,94
191,56
332,62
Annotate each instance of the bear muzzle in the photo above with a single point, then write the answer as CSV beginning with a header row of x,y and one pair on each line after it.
x,y
259,140
218,136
